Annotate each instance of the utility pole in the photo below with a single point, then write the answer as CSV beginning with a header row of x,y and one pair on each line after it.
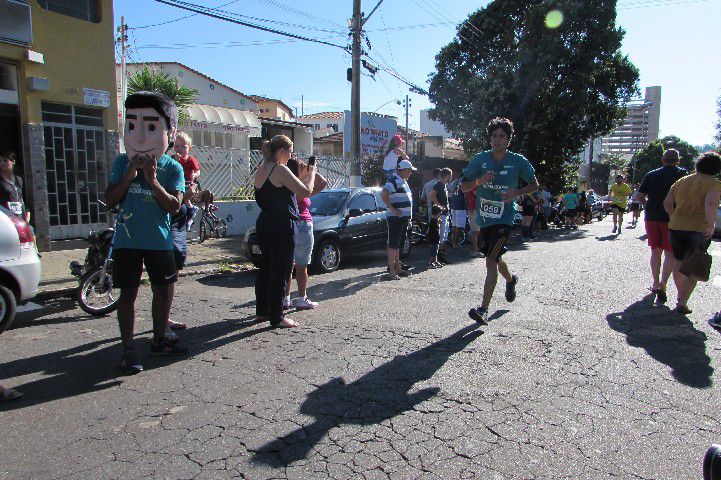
x,y
355,124
302,106
123,38
407,104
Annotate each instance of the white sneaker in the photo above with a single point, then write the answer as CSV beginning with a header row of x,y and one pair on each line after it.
x,y
302,303
286,303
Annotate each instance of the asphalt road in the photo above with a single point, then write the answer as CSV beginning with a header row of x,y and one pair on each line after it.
x,y
581,377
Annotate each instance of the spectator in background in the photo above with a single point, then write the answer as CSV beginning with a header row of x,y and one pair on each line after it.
x,y
457,203
394,154
276,191
652,192
427,187
191,172
12,192
399,203
570,204
473,222
545,200
433,237
692,203
439,196
303,242
528,211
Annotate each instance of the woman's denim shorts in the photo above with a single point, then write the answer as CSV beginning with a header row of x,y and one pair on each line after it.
x,y
303,242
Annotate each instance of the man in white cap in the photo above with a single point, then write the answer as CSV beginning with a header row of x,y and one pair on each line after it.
x,y
399,201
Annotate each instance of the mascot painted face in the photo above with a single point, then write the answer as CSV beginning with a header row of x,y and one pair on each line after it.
x,y
150,123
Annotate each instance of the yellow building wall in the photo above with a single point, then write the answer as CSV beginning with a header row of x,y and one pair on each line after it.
x,y
78,54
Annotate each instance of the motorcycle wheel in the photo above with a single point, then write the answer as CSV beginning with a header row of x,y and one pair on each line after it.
x,y
95,299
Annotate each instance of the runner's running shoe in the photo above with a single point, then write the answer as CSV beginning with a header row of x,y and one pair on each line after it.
x,y
479,314
511,289
715,321
661,297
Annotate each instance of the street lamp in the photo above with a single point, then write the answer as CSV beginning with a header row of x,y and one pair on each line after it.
x,y
398,102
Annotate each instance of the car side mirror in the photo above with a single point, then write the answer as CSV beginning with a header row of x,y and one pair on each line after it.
x,y
354,212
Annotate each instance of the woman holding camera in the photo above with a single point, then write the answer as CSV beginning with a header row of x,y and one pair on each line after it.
x,y
276,189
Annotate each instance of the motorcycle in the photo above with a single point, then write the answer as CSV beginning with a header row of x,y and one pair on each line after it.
x,y
95,292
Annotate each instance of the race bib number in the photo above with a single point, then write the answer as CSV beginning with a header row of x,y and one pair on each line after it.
x,y
490,208
16,208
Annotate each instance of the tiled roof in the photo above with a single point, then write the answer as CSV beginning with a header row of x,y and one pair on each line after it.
x,y
339,115
259,98
322,115
332,138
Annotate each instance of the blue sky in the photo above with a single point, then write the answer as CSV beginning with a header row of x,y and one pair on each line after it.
x,y
674,43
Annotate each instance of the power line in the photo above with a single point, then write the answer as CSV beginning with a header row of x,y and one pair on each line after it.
x,y
472,29
287,8
179,46
209,12
180,18
667,3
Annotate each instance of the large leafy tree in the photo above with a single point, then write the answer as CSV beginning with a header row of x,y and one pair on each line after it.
x,y
650,157
560,86
149,80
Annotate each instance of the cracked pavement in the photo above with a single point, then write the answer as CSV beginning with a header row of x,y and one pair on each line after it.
x,y
581,377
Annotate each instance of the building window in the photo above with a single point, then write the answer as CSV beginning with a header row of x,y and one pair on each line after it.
x,y
267,110
333,126
87,10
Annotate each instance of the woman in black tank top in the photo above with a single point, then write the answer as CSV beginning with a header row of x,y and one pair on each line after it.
x,y
275,190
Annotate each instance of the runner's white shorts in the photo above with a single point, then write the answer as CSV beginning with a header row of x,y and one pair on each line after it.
x,y
458,218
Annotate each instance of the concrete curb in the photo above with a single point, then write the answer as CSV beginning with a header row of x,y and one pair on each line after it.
x,y
69,292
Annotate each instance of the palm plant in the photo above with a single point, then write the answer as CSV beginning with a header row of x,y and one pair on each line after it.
x,y
149,80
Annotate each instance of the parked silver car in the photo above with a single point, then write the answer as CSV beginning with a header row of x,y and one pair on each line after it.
x,y
19,265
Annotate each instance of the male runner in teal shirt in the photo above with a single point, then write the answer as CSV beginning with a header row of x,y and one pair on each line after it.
x,y
495,175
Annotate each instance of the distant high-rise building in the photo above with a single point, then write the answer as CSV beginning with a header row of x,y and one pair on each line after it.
x,y
639,128
433,127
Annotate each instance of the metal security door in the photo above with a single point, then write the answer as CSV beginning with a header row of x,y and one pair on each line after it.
x,y
74,152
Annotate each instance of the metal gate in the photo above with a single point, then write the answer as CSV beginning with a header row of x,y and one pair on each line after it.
x,y
74,162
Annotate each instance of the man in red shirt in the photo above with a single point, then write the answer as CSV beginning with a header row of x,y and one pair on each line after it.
x,y
191,170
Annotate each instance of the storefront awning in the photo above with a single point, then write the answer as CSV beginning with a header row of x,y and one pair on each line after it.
x,y
224,119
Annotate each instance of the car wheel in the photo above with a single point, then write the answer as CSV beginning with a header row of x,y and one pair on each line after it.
x,y
7,308
327,256
406,246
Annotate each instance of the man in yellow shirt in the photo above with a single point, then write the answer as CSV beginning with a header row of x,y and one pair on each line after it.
x,y
619,200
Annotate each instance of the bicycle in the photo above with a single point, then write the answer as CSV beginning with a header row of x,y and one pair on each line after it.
x,y
210,223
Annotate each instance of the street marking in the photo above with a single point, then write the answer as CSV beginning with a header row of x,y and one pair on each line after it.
x,y
28,307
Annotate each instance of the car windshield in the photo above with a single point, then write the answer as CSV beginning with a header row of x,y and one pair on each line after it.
x,y
327,203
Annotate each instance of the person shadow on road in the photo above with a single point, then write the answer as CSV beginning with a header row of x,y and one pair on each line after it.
x,y
380,394
668,338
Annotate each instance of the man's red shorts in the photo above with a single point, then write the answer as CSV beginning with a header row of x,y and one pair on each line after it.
x,y
658,235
